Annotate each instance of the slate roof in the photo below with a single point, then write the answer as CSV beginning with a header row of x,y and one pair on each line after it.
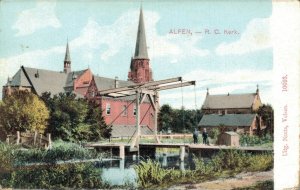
x,y
229,101
104,83
233,120
19,79
141,45
128,130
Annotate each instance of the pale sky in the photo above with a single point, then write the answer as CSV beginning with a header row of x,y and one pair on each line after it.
x,y
102,36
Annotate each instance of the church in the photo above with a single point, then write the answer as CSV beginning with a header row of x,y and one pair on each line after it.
x,y
232,112
118,112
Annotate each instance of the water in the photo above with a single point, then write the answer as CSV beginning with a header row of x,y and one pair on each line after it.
x,y
121,172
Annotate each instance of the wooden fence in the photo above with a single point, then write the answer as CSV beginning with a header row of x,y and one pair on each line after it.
x,y
30,140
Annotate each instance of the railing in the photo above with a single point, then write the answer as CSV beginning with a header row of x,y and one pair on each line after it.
x,y
29,140
170,136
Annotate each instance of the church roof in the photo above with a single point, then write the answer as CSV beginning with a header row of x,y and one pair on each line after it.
x,y
233,120
19,79
229,101
46,80
141,45
104,83
42,80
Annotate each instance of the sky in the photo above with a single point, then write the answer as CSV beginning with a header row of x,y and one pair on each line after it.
x,y
224,46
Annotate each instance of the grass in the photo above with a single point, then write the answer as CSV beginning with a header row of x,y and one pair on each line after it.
x,y
225,164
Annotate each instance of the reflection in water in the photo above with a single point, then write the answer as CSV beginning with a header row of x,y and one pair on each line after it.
x,y
121,172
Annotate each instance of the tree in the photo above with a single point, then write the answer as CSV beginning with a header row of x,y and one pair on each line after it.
x,y
97,123
178,120
23,111
266,113
165,118
75,119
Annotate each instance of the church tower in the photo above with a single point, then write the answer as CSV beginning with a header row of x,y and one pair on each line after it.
x,y
140,70
67,61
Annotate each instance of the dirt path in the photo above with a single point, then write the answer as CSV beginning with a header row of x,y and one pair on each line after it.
x,y
241,180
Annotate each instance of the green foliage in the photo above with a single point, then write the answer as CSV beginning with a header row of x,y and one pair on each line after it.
x,y
247,140
74,119
79,175
16,173
150,173
23,111
178,120
267,114
61,151
214,133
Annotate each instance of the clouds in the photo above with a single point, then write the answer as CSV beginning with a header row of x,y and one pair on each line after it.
x,y
255,37
122,34
39,17
218,82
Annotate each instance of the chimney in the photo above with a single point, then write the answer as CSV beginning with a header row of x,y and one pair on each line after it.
x,y
37,75
116,82
257,89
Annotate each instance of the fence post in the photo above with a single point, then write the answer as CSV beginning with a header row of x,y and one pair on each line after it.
x,y
49,140
7,140
34,138
122,151
182,153
18,137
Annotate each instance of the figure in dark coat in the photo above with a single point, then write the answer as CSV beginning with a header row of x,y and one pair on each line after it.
x,y
205,136
195,136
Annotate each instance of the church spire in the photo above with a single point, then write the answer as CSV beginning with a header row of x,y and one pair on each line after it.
x,y
141,45
140,71
67,55
67,61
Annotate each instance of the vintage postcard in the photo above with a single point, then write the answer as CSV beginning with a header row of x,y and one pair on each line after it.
x,y
149,94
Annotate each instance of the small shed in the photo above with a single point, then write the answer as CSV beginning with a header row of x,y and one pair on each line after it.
x,y
229,138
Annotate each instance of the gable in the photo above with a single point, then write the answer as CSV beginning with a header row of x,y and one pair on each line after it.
x,y
19,79
229,101
46,81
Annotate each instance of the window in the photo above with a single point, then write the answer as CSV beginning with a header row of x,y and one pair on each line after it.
x,y
107,109
134,110
124,110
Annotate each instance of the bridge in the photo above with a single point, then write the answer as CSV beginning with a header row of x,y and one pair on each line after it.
x,y
149,149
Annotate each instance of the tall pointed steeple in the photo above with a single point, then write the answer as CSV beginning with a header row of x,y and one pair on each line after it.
x,y
140,71
67,56
141,45
67,61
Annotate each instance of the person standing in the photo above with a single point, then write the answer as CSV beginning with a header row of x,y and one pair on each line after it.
x,y
205,136
195,136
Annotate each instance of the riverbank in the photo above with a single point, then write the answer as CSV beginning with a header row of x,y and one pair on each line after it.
x,y
239,181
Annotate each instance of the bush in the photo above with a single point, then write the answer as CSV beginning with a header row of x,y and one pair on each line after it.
x,y
150,173
247,140
61,151
79,175
16,173
214,133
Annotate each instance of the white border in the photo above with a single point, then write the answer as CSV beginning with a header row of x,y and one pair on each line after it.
x,y
285,34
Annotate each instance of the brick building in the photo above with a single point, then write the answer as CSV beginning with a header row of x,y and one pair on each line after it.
x,y
232,112
86,85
